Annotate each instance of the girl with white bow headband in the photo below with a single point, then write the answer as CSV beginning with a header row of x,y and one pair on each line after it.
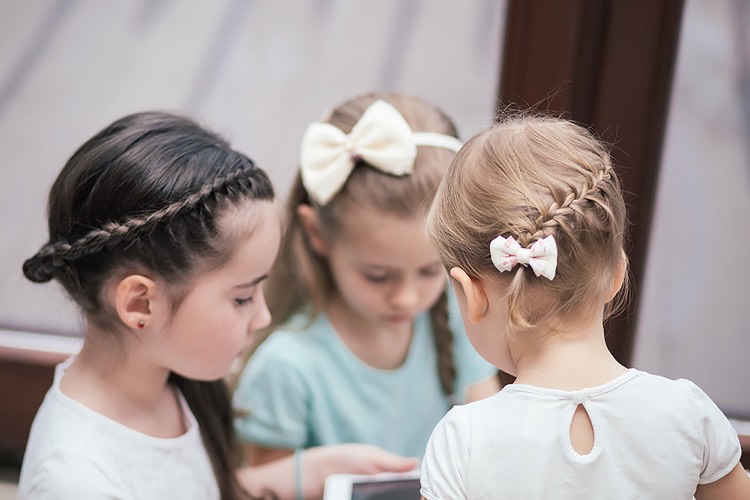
x,y
367,342
530,219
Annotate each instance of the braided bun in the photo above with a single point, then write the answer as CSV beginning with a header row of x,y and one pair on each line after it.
x,y
41,267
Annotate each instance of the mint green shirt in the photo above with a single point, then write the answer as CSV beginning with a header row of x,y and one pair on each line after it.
x,y
304,388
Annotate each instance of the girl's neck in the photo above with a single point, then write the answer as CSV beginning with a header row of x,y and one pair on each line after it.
x,y
120,383
380,345
568,360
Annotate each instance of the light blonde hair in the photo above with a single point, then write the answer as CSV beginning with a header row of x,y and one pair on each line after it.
x,y
300,279
530,177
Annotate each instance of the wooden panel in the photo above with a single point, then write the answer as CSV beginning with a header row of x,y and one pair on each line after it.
x,y
552,54
607,64
23,385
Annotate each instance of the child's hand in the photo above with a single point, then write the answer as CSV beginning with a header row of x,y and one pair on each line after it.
x,y
278,477
356,458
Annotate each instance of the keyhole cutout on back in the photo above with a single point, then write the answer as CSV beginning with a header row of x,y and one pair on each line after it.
x,y
581,431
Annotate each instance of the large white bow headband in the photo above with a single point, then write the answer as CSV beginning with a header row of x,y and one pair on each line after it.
x,y
541,257
381,138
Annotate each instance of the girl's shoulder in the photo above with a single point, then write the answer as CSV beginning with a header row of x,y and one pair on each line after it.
x,y
686,392
67,474
659,386
301,339
63,451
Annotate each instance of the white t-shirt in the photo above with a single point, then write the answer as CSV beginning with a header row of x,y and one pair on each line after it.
x,y
654,438
75,452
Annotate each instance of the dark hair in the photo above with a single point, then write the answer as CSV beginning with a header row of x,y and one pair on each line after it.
x,y
148,185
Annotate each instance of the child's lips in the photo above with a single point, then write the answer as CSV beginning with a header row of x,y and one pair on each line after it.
x,y
399,318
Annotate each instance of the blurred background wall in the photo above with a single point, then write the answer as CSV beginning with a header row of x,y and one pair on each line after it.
x,y
257,71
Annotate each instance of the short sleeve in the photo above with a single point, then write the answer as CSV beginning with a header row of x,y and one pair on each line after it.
x,y
470,366
443,474
721,446
271,399
69,475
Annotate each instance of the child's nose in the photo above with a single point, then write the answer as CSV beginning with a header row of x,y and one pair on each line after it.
x,y
406,296
262,319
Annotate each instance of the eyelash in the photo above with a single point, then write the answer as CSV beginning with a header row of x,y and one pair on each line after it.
x,y
430,273
376,279
384,278
242,302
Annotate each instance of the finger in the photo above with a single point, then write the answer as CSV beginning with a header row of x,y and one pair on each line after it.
x,y
388,462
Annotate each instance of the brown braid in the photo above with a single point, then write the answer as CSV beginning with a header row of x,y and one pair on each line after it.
x,y
444,344
54,255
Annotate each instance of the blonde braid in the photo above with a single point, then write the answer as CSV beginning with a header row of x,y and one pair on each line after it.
x,y
572,204
558,217
531,177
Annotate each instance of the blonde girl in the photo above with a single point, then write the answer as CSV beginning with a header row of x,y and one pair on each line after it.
x,y
530,221
163,235
366,344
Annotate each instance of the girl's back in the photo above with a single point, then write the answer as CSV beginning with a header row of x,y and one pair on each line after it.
x,y
531,221
654,438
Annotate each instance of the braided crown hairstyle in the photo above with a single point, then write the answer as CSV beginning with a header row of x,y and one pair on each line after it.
x,y
300,278
530,177
147,194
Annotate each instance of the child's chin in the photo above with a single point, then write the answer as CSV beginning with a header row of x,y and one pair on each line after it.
x,y
208,375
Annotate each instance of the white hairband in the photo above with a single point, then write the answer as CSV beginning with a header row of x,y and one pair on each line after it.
x,y
382,138
541,257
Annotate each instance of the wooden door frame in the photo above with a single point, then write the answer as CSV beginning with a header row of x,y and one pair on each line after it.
x,y
607,64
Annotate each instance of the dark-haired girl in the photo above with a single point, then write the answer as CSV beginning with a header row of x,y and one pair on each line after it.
x,y
163,235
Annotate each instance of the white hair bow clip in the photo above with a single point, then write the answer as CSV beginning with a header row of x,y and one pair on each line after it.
x,y
541,257
381,138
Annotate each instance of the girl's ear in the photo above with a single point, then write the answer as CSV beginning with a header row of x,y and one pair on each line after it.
x,y
619,277
477,303
134,300
311,227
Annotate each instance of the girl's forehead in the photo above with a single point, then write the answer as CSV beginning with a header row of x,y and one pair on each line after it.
x,y
386,239
368,224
